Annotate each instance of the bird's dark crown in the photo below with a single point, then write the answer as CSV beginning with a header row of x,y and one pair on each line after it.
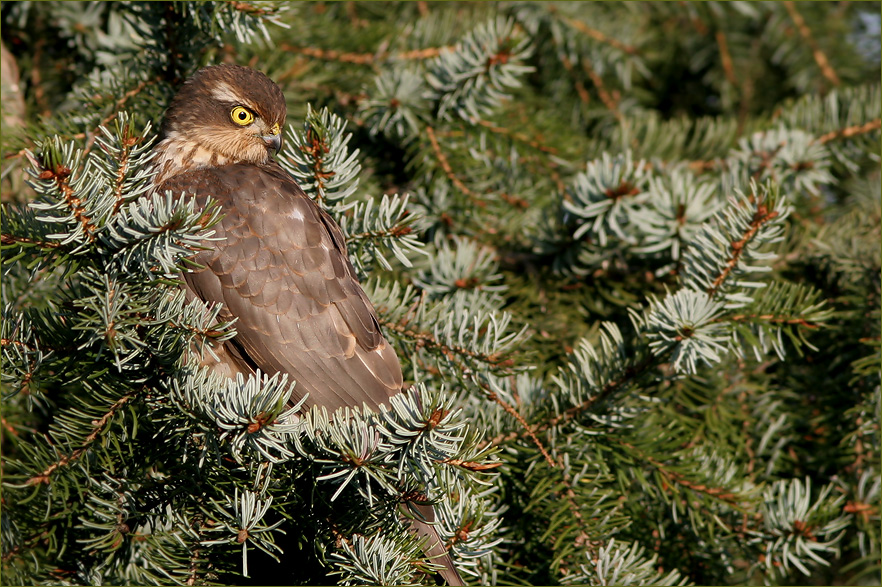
x,y
207,97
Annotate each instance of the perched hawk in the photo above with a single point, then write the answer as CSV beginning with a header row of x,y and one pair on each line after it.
x,y
281,267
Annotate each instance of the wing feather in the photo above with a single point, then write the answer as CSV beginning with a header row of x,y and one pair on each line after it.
x,y
282,269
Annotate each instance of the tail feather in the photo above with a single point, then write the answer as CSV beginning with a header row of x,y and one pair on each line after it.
x,y
422,517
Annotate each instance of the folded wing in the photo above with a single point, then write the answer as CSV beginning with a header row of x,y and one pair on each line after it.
x,y
282,269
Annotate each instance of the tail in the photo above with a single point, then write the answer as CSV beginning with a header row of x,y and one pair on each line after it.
x,y
422,518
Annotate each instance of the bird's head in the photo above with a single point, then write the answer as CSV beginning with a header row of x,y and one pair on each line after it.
x,y
226,114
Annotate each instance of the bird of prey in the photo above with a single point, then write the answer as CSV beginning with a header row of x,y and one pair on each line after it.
x,y
280,267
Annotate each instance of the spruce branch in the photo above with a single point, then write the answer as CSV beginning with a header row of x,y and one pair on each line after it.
x,y
471,81
55,180
626,564
726,57
387,226
93,134
555,443
798,525
397,106
596,34
605,96
242,523
432,341
321,161
10,239
581,91
677,478
363,58
448,170
850,131
805,31
493,396
377,560
98,428
781,309
604,196
726,251
532,142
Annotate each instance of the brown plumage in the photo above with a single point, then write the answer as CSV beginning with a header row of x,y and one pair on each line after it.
x,y
281,267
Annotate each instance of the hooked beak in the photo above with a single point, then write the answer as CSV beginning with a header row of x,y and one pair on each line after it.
x,y
273,141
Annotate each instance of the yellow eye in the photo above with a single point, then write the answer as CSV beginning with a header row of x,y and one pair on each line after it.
x,y
241,116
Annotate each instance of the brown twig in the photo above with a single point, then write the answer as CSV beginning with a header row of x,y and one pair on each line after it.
x,y
630,374
127,143
768,318
113,113
820,57
726,58
518,136
427,340
699,166
760,217
582,538
316,148
448,170
361,58
249,8
61,174
331,54
849,131
493,396
9,428
605,96
472,465
695,20
36,80
719,493
16,155
87,442
673,478
424,339
8,239
597,35
584,96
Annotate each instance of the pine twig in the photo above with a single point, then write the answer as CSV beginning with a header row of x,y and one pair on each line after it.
x,y
87,442
61,174
248,8
9,239
448,170
760,217
726,58
518,136
820,58
493,396
113,113
771,318
584,96
850,131
597,35
361,58
605,96
427,340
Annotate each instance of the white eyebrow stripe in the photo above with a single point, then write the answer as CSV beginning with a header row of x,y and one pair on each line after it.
x,y
222,92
